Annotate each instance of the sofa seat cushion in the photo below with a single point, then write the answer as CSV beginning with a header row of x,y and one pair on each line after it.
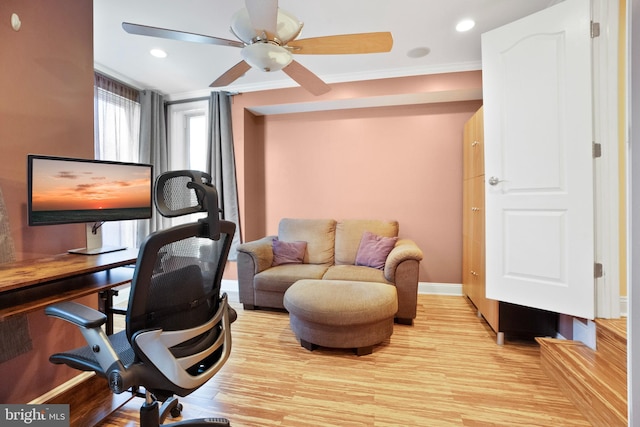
x,y
355,273
279,278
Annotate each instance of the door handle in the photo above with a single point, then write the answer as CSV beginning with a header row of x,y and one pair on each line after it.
x,y
494,180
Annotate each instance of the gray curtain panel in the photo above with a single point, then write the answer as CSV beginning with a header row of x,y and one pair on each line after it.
x,y
222,163
154,148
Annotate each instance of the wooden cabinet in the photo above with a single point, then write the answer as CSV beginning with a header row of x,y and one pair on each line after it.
x,y
473,259
504,318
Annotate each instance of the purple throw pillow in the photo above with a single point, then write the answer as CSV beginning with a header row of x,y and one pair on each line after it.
x,y
374,249
288,252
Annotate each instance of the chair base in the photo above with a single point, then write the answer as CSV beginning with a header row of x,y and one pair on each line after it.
x,y
152,415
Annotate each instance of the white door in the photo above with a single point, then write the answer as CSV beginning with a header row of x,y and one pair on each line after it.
x,y
539,162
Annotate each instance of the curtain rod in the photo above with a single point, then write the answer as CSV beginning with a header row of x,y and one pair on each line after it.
x,y
203,98
184,101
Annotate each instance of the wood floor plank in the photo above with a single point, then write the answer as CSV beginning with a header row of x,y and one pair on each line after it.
x,y
597,387
446,370
611,339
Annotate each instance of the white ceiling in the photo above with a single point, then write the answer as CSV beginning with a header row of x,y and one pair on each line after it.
x,y
190,68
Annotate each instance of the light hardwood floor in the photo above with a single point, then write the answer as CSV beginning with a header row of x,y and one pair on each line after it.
x,y
446,370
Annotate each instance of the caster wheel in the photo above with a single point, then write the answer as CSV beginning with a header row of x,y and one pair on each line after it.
x,y
177,411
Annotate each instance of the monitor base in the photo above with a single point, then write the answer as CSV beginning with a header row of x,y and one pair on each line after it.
x,y
96,251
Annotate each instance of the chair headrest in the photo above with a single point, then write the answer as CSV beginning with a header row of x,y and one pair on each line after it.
x,y
184,192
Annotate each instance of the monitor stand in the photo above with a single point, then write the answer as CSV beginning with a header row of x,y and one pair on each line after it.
x,y
94,242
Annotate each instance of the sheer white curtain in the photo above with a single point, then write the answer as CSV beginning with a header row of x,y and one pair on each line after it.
x,y
117,137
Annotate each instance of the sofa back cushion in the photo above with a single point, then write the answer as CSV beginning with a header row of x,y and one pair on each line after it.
x,y
320,235
349,233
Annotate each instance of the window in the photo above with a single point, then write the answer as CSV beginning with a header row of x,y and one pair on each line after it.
x,y
196,141
187,135
187,130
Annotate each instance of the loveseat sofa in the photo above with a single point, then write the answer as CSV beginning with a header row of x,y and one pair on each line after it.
x,y
351,250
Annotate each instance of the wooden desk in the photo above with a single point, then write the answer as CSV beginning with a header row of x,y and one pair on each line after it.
x,y
31,285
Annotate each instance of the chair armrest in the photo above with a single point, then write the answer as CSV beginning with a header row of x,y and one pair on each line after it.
x,y
261,252
78,314
90,323
404,250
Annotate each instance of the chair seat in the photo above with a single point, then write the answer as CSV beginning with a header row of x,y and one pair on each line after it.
x,y
83,358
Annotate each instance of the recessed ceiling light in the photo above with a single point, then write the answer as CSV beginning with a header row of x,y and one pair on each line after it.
x,y
418,52
158,53
465,25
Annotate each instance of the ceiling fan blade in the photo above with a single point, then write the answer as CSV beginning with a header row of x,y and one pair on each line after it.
x,y
145,30
263,15
306,78
343,44
232,74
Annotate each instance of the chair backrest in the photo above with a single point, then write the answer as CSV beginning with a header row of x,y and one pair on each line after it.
x,y
177,280
175,291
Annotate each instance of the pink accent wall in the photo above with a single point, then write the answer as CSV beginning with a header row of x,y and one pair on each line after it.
x,y
46,107
399,162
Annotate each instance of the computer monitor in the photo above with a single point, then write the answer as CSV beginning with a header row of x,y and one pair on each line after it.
x,y
64,190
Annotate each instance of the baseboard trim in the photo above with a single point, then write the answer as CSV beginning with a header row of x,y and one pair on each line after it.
x,y
432,288
624,306
71,384
231,286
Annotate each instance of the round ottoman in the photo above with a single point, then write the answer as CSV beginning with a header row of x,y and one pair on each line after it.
x,y
341,314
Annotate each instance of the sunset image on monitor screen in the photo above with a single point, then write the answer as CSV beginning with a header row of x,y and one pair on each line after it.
x,y
65,190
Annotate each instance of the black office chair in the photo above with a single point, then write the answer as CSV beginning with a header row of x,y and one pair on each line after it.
x,y
177,332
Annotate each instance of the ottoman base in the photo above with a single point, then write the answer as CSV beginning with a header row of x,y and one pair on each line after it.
x,y
360,351
341,314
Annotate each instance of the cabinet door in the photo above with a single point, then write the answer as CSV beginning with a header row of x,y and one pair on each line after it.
x,y
477,240
467,238
473,146
467,148
487,307
478,144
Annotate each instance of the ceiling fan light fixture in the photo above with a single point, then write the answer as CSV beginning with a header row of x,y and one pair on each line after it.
x,y
266,56
241,26
287,28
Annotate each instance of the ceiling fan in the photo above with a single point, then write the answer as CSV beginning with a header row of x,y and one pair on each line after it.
x,y
267,36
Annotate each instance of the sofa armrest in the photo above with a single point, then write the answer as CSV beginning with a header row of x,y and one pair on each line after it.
x,y
260,251
404,250
253,257
402,269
